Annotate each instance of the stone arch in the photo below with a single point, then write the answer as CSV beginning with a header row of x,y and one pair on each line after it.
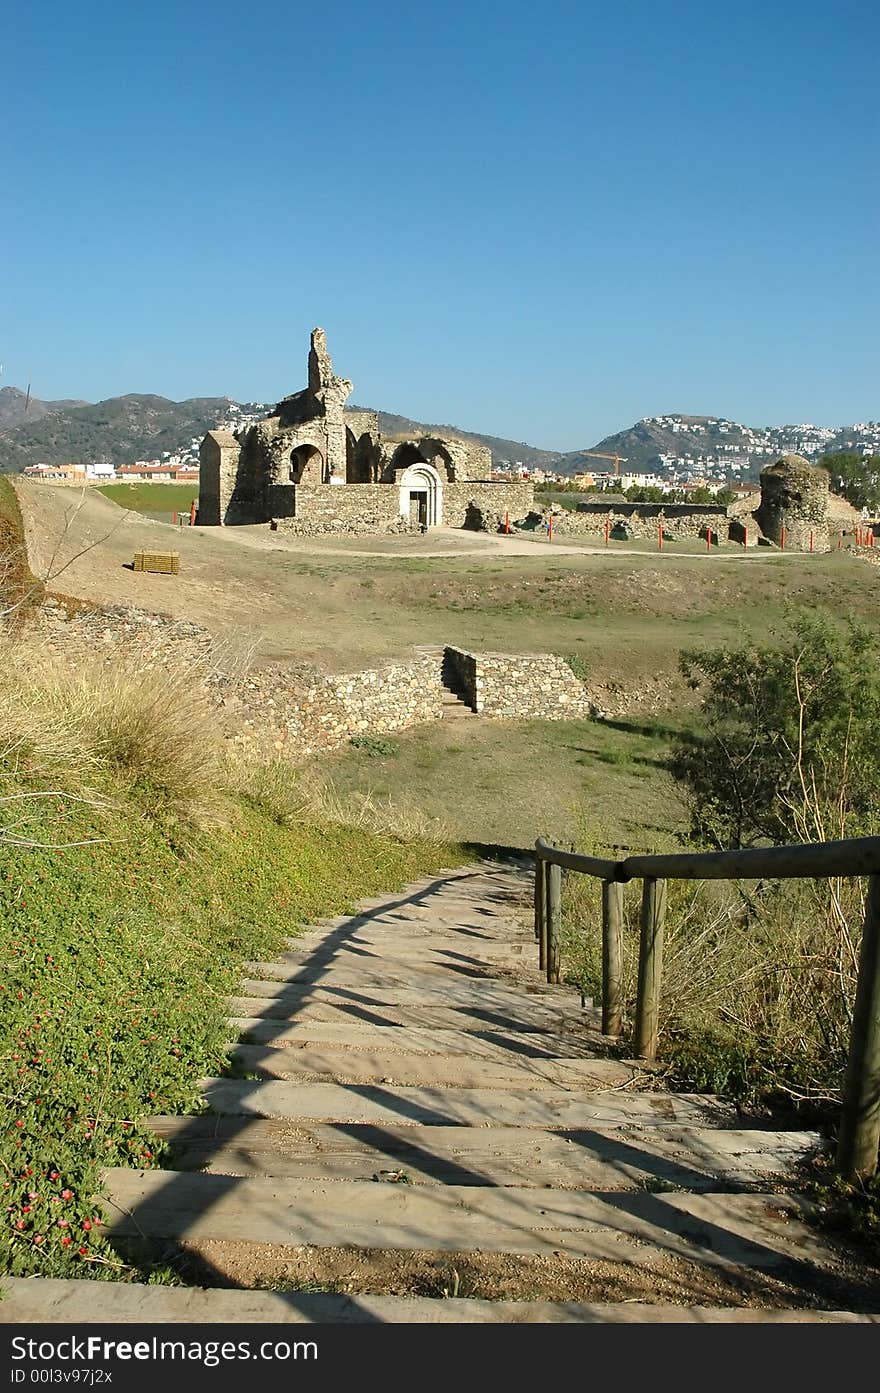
x,y
362,458
306,465
421,494
437,454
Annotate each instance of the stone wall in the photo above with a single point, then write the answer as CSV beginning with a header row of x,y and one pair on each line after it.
x,y
365,509
519,686
361,509
642,519
516,498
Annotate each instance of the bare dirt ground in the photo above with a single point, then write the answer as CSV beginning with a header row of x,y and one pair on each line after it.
x,y
345,603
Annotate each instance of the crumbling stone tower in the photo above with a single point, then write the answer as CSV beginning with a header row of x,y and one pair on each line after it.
x,y
794,496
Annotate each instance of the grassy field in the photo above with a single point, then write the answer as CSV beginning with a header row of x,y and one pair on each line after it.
x,y
152,498
508,782
626,615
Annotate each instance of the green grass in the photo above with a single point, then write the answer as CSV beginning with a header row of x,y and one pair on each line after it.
x,y
118,958
152,498
20,591
508,782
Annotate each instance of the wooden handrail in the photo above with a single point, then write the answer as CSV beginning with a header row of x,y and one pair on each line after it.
x,y
859,1136
811,860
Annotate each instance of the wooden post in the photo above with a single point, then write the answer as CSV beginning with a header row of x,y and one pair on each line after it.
x,y
859,1136
554,920
540,917
612,957
650,967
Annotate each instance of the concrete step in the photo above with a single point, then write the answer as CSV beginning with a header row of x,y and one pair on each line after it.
x,y
429,1071
462,1107
596,1159
757,1231
47,1300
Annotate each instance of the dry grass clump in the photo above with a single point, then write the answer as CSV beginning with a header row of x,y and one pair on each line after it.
x,y
295,797
758,980
99,723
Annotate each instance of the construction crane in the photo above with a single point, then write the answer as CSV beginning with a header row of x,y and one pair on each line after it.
x,y
594,454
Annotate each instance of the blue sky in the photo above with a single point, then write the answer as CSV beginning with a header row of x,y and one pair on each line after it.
x,y
542,221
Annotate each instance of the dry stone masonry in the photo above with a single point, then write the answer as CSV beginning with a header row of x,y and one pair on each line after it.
x,y
519,686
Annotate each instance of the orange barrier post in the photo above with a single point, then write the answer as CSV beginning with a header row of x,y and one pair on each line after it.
x,y
174,518
550,529
708,539
192,513
782,539
507,523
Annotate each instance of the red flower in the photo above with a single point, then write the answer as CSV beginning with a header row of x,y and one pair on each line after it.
x,y
19,1122
39,1237
65,1240
83,1251
87,1224
67,1194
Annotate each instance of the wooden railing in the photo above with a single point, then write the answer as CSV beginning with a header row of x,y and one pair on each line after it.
x,y
859,1135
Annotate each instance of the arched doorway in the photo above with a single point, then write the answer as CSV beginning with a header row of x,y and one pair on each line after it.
x,y
421,495
306,465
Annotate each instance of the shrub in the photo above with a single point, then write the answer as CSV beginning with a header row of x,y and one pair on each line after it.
x,y
375,746
788,749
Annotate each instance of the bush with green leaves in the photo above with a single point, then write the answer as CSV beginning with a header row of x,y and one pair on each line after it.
x,y
786,749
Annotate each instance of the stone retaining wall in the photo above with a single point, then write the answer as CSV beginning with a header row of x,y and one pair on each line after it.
x,y
518,686
493,499
643,519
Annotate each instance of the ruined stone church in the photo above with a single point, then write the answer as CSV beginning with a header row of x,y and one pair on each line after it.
x,y
314,466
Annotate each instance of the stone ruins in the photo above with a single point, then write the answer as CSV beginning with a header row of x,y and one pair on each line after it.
x,y
796,511
315,466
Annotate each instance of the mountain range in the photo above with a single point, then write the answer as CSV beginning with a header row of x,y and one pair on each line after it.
x,y
123,429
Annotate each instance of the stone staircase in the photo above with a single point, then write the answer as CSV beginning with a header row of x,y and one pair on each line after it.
x,y
416,1128
455,706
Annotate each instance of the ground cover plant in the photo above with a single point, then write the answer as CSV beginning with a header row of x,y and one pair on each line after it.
x,y
131,894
